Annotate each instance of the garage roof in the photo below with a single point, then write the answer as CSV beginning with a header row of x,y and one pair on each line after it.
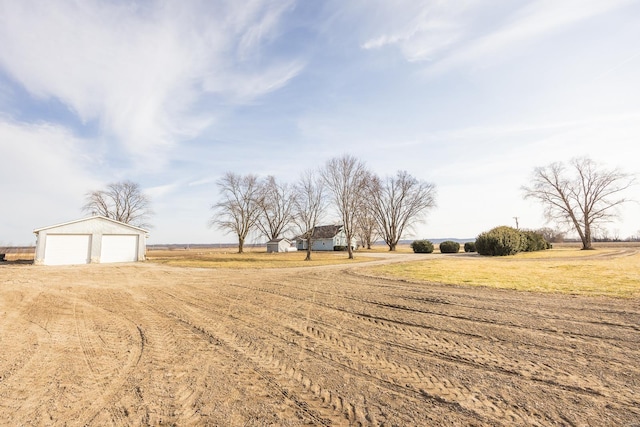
x,y
37,230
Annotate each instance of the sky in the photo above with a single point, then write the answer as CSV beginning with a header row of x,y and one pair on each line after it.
x,y
470,95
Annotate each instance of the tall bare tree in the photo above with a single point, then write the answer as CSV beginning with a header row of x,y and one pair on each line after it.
x,y
398,203
583,194
276,216
122,201
367,229
346,177
309,205
240,206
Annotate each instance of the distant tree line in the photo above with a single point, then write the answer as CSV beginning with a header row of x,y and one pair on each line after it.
x,y
581,196
368,207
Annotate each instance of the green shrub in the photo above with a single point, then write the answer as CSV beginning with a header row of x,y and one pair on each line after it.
x,y
470,247
422,246
534,241
500,241
339,248
449,247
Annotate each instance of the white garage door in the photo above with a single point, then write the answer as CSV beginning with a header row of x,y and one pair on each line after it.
x,y
119,248
65,249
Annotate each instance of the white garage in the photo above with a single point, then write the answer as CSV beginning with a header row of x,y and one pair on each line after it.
x,y
96,239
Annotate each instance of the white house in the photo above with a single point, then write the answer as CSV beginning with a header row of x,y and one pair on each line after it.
x,y
280,245
326,238
96,239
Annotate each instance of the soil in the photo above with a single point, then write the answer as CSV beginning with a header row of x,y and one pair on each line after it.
x,y
145,344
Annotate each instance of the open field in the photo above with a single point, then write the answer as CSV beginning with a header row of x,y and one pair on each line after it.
x,y
150,344
611,270
251,258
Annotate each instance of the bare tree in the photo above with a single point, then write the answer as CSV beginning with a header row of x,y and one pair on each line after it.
x,y
240,206
122,201
308,206
276,216
346,177
583,196
551,235
367,229
398,203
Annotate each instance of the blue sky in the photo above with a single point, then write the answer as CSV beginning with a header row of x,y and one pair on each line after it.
x,y
469,95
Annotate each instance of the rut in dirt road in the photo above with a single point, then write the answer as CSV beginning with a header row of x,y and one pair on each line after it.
x,y
145,344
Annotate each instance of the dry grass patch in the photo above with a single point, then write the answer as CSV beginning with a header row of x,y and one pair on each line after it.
x,y
252,258
611,272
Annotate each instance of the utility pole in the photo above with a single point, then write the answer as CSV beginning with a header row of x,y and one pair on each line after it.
x,y
517,225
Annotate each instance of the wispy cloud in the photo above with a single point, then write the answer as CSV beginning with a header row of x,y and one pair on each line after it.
x,y
139,71
450,34
422,30
39,161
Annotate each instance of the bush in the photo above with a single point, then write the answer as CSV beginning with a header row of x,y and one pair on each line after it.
x,y
470,247
534,241
449,247
500,241
422,246
339,248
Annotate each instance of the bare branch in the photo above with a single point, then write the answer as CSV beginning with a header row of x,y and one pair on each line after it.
x,y
398,203
347,178
309,205
585,199
276,216
122,201
240,206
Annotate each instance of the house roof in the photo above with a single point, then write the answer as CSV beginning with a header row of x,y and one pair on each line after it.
x,y
94,217
326,231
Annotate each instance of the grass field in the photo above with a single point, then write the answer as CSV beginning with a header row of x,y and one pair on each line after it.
x,y
252,258
610,271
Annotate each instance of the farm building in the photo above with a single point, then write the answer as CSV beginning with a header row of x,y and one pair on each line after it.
x,y
96,239
280,245
325,238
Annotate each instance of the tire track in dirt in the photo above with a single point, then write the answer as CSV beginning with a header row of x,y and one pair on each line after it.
x,y
245,351
563,383
23,398
570,319
371,364
104,339
209,393
625,340
159,345
16,349
438,389
456,350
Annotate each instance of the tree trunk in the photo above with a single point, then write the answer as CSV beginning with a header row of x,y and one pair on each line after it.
x,y
308,257
586,238
349,248
240,245
392,247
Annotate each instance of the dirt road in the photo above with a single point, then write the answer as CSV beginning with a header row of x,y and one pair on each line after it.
x,y
143,344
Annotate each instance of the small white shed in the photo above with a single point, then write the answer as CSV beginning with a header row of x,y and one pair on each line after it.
x,y
279,245
96,239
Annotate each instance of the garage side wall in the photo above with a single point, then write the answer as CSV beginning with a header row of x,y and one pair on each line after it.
x,y
97,228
